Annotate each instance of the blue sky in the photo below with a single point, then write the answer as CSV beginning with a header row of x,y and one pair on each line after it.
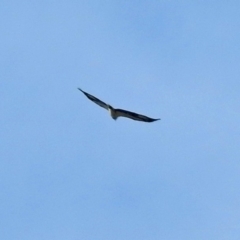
x,y
68,171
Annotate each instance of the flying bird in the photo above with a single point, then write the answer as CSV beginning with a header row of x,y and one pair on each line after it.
x,y
115,113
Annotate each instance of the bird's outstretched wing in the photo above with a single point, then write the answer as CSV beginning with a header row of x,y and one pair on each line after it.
x,y
134,116
94,99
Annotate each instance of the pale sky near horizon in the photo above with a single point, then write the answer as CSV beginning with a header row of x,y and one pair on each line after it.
x,y
69,171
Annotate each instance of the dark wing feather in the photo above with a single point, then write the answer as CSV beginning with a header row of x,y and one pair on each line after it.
x,y
94,99
134,116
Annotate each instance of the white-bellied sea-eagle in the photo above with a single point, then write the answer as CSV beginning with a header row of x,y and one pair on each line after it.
x,y
115,113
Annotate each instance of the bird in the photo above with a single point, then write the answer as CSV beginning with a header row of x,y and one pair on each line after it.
x,y
115,113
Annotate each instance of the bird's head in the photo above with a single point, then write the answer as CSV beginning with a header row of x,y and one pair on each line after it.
x,y
110,107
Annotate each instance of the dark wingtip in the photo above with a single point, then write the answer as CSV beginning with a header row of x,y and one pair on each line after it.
x,y
156,119
81,90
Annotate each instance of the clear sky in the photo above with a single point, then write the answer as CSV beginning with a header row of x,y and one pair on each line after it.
x,y
69,171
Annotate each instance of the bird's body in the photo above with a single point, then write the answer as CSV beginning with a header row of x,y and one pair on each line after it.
x,y
115,113
112,112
